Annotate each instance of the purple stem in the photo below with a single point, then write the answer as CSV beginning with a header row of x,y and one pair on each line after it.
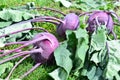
x,y
31,70
88,13
3,51
85,13
22,30
21,54
114,35
30,42
50,9
16,66
47,17
51,21
11,43
96,19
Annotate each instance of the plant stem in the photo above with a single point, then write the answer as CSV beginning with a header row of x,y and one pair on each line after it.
x,y
23,30
3,51
27,44
51,21
85,13
11,43
50,9
31,70
47,17
21,54
16,66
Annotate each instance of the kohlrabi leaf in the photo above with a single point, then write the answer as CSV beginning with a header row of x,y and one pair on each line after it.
x,y
113,66
8,17
27,16
96,56
89,5
63,60
6,66
59,74
98,45
80,37
14,15
12,28
71,53
91,73
4,24
64,2
94,73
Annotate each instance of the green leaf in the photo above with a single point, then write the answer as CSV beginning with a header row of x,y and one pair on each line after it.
x,y
14,15
63,60
96,60
89,5
12,28
98,41
59,74
71,53
64,2
8,17
5,66
4,24
98,45
113,65
94,73
27,16
81,48
91,73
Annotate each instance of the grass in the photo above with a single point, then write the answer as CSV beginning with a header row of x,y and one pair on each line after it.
x,y
40,73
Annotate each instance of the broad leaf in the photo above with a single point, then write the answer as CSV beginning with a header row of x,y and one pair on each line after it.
x,y
89,5
14,15
114,60
63,60
98,45
81,48
71,53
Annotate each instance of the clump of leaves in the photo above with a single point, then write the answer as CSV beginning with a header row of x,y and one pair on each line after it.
x,y
8,18
88,57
